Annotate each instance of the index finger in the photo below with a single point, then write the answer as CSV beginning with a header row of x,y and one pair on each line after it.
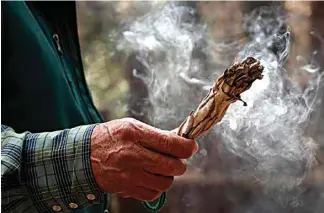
x,y
166,142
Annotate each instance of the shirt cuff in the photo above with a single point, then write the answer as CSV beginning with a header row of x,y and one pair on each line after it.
x,y
58,170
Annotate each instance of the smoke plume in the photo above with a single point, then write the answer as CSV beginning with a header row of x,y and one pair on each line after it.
x,y
182,62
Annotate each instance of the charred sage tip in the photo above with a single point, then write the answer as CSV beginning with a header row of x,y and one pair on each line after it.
x,y
236,79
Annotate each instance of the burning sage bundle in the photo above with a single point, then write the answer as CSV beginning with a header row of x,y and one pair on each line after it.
x,y
227,89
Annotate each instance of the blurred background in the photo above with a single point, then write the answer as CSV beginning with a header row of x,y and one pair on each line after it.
x,y
118,94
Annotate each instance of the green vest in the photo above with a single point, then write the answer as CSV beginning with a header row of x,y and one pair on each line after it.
x,y
43,83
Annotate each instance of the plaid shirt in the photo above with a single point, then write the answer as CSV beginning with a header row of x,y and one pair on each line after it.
x,y
47,172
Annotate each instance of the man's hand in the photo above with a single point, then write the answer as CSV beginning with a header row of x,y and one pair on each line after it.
x,y
133,159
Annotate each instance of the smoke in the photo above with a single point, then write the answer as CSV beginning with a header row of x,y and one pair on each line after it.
x,y
269,132
182,62
164,41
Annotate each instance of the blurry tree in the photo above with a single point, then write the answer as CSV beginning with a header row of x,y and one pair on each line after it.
x,y
104,70
104,67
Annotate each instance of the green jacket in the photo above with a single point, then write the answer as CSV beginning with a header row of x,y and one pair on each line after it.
x,y
44,89
43,83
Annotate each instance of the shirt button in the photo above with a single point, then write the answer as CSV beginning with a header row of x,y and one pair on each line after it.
x,y
91,196
73,205
57,208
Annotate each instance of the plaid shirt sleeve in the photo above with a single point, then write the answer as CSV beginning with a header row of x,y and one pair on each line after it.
x,y
47,172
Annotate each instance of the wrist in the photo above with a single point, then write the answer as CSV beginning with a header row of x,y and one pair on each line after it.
x,y
96,143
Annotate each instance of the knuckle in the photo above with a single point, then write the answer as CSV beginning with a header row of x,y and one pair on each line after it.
x,y
176,166
182,168
129,120
166,142
128,127
171,166
163,138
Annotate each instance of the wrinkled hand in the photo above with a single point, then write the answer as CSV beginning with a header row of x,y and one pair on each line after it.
x,y
133,159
